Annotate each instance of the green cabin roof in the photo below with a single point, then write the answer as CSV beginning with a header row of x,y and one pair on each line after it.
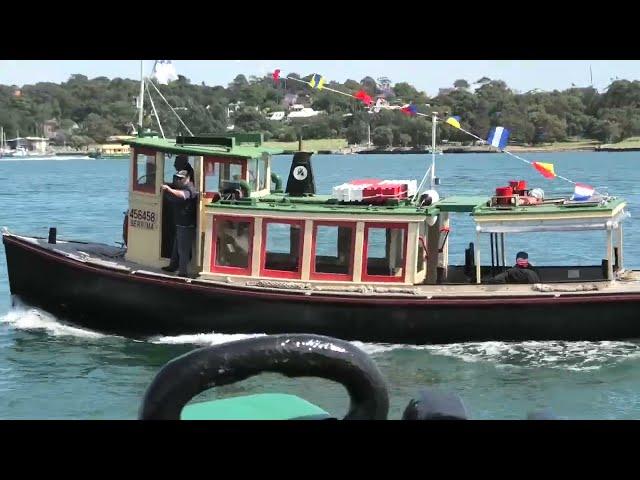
x,y
474,205
314,204
478,206
551,209
247,146
458,204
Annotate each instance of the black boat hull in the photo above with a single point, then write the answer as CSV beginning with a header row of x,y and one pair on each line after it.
x,y
114,301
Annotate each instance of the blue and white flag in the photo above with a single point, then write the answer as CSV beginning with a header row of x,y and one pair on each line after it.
x,y
582,192
498,137
164,72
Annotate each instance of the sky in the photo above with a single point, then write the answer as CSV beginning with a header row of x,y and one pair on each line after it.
x,y
426,75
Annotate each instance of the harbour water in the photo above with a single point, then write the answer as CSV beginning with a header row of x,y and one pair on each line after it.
x,y
49,369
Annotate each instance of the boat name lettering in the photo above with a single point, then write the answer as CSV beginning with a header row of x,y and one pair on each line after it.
x,y
142,218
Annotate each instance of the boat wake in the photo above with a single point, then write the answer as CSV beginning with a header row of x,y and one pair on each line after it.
x,y
576,356
202,339
209,339
30,318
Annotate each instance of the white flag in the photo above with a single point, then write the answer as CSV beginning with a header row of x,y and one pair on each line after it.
x,y
164,72
380,103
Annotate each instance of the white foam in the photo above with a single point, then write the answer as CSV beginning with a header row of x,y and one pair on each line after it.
x,y
575,356
24,318
202,338
377,348
207,339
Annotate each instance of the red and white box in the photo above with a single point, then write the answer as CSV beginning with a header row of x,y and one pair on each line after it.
x,y
374,191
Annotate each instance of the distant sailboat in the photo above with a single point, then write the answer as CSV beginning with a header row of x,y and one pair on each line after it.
x,y
4,150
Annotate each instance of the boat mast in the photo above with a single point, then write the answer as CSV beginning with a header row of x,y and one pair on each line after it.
x,y
434,120
141,98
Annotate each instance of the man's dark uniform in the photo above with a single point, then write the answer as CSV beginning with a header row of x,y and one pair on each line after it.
x,y
184,216
516,275
521,273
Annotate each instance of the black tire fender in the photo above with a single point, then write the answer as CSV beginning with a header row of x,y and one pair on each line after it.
x,y
295,355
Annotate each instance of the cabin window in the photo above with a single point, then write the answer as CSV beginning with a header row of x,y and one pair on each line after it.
x,y
231,172
144,171
219,171
332,251
232,245
258,173
385,251
211,177
282,242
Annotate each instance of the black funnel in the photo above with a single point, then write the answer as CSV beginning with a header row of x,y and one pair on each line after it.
x,y
301,181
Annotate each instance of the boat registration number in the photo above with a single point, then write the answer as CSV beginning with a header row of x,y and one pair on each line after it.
x,y
142,218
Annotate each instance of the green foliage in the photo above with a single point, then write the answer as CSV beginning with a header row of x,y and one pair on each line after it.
x,y
382,137
357,132
90,110
405,139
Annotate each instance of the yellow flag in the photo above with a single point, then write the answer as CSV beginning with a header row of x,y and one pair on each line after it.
x,y
453,121
317,81
545,169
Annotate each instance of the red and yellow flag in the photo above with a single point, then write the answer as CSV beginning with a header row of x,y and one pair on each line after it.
x,y
545,169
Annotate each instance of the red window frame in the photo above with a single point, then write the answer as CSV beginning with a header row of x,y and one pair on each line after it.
x,y
365,252
332,276
134,180
265,272
220,161
214,231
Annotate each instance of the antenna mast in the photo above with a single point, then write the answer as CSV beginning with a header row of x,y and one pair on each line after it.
x,y
434,121
141,98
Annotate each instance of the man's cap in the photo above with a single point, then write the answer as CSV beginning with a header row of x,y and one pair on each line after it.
x,y
182,174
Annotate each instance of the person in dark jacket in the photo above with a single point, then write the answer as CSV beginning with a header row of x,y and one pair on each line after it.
x,y
522,272
183,198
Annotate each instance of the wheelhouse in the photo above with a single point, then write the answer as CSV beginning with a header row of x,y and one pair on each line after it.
x,y
235,166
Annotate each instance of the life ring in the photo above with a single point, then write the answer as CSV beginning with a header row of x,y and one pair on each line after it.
x,y
292,355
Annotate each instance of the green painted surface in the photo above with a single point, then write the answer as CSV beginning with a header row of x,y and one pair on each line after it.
x,y
316,204
460,203
169,146
266,406
550,209
311,200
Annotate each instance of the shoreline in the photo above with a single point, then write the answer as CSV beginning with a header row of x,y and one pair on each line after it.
x,y
339,147
458,150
